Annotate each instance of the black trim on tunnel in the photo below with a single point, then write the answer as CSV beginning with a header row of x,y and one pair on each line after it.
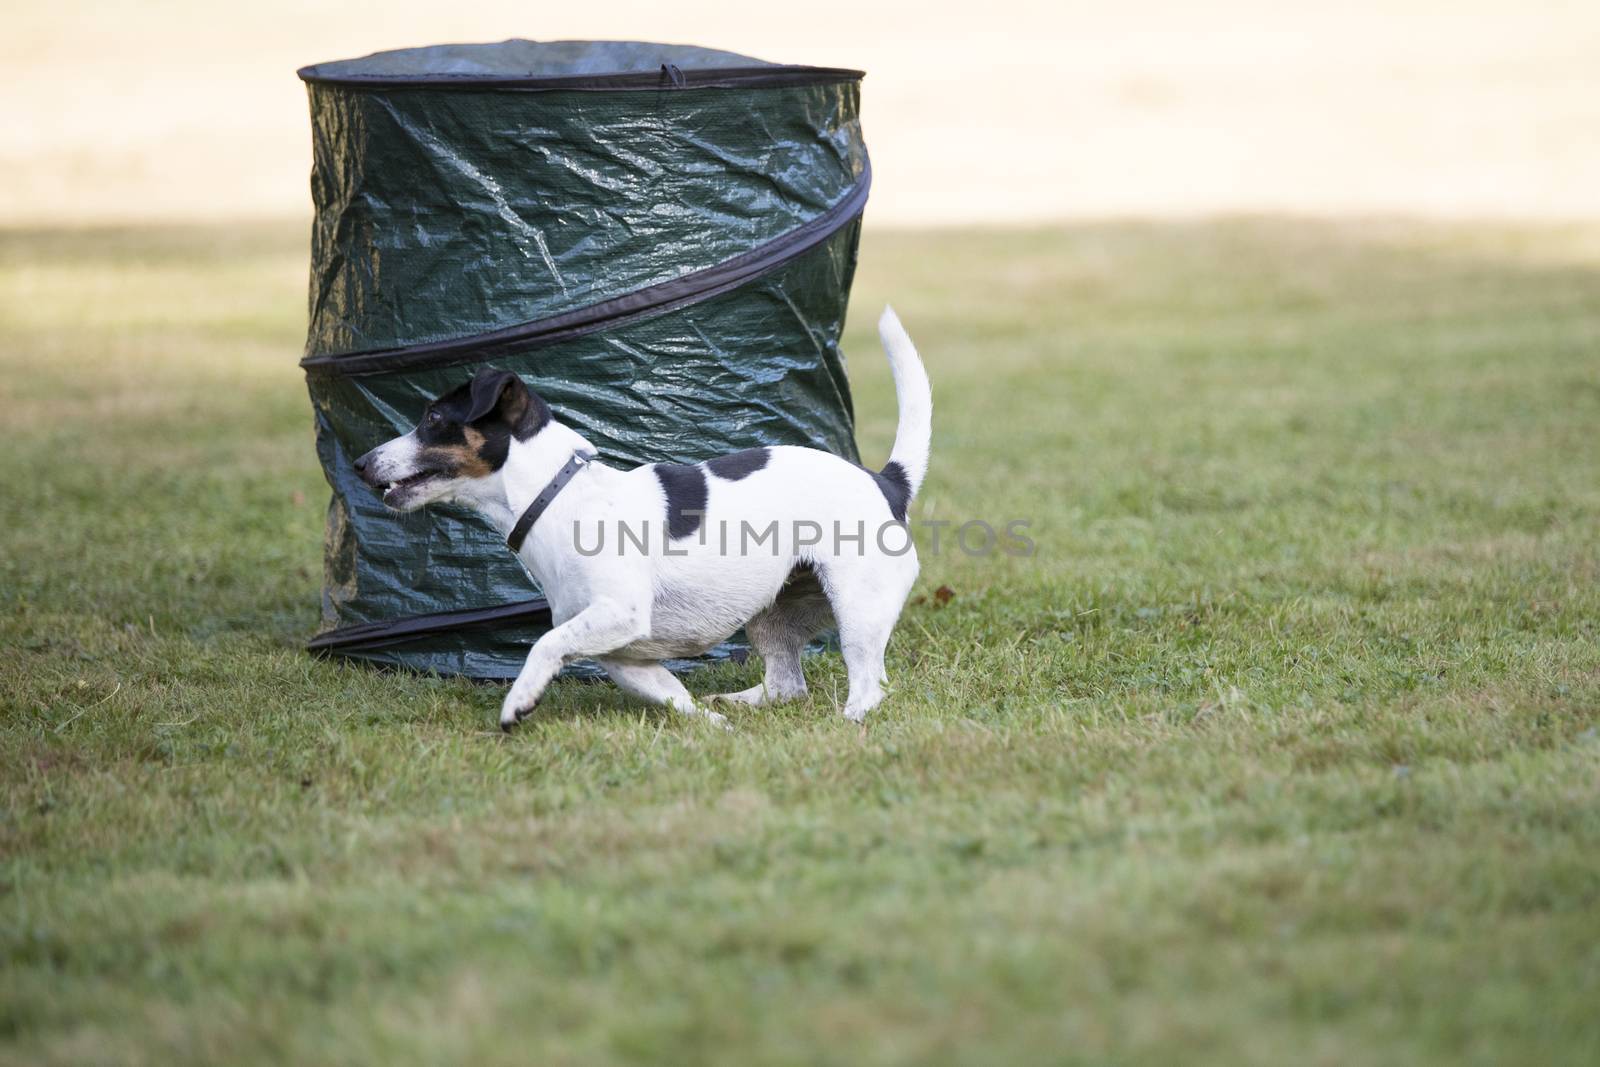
x,y
763,77
369,636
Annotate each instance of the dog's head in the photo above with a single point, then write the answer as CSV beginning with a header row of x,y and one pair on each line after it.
x,y
461,440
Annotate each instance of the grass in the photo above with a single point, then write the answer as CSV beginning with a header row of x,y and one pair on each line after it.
x,y
1283,745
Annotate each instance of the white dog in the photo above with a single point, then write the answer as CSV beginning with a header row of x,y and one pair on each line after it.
x,y
670,559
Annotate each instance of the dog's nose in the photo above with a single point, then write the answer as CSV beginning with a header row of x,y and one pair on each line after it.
x,y
361,464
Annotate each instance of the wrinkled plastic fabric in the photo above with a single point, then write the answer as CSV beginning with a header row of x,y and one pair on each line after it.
x,y
443,214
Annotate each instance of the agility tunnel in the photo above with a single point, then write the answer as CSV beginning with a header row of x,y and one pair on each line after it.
x,y
659,239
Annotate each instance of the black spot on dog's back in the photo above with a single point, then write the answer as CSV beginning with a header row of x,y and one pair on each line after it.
x,y
895,487
738,464
685,486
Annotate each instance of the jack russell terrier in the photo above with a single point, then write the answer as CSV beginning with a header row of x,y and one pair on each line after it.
x,y
783,541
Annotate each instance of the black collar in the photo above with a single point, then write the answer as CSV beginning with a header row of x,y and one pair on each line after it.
x,y
519,532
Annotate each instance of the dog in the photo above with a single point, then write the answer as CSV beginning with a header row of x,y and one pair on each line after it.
x,y
702,558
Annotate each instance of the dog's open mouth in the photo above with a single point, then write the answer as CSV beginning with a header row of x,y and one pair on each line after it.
x,y
396,490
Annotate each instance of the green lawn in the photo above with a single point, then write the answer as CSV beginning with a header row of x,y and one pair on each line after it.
x,y
1285,746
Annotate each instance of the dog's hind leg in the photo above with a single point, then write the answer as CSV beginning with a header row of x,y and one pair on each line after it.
x,y
863,643
778,640
779,635
867,603
654,683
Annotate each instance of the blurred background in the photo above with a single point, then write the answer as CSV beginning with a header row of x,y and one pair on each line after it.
x,y
175,110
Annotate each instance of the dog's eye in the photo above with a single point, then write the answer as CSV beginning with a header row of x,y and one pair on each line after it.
x,y
433,418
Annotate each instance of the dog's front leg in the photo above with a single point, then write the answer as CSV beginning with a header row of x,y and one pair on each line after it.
x,y
604,626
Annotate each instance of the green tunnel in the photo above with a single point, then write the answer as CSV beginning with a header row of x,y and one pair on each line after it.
x,y
659,239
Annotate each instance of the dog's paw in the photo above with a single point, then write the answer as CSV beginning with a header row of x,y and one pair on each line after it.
x,y
755,697
706,715
513,712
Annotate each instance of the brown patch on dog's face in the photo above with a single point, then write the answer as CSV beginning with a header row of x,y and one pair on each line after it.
x,y
478,446
472,457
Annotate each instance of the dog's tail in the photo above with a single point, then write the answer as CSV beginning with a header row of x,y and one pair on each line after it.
x,y
914,436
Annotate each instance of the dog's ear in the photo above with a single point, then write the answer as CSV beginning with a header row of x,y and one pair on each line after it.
x,y
498,391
